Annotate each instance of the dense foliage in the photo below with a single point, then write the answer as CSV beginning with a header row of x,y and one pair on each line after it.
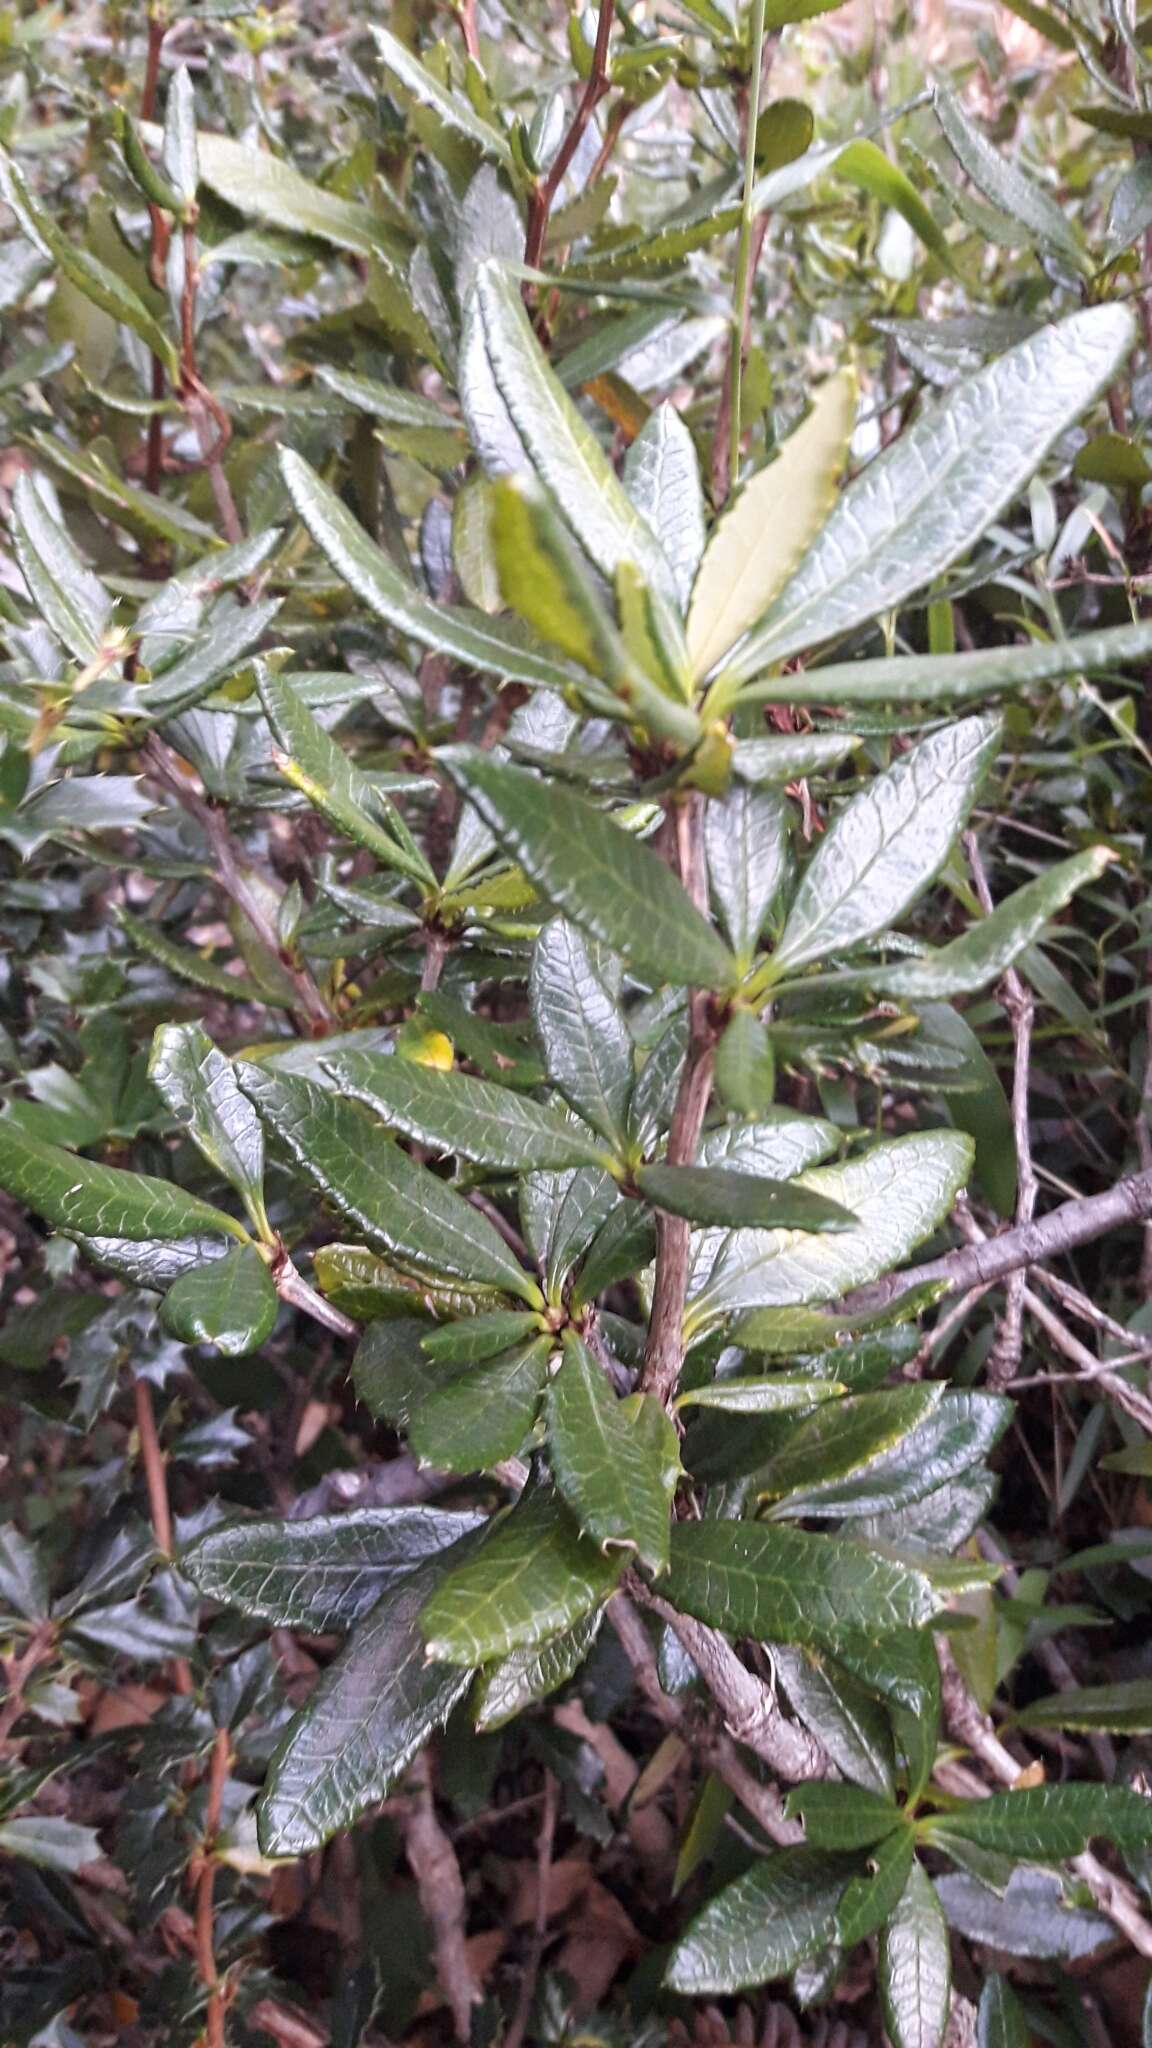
x,y
575,1037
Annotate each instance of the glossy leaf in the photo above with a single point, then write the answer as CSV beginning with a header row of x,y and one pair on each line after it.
x,y
506,1689
399,1205
485,1414
1044,1823
990,945
775,1396
830,1445
760,1927
1041,218
952,1433
230,1302
72,601
662,478
869,1901
740,1201
864,163
266,187
1000,2020
1123,1708
747,845
616,1462
915,1966
843,1816
789,757
455,1113
76,1194
324,1572
314,764
745,1066
534,1576
852,1726
932,494
778,1584
598,875
587,1047
887,844
952,678
196,1082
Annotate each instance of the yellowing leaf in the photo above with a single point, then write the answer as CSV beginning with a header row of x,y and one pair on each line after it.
x,y
759,541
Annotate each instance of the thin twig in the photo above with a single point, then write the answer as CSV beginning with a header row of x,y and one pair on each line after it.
x,y
1133,1402
531,1972
441,1891
596,85
205,1881
744,245
160,1513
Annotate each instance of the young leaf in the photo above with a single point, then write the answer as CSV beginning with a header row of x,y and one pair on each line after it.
x,y
322,1573
864,163
587,1046
229,1302
887,844
778,1584
616,1462
75,1194
745,1069
990,946
534,1576
760,1927
483,1415
662,478
915,1966
314,764
760,539
739,1201
397,1203
506,1689
196,1082
454,1113
602,878
932,494
475,1338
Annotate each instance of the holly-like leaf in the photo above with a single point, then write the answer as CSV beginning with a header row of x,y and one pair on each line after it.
x,y
230,1302
455,1113
534,1575
616,1462
1039,217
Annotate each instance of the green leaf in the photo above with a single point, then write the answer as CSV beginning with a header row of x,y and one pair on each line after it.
x,y
187,964
759,1928
864,163
713,1195
491,645
230,1302
455,1113
265,187
901,1668
1124,1708
451,108
898,1191
560,1214
179,152
1045,1823
196,1082
745,1068
950,678
835,1442
759,540
322,1573
779,1584
939,486
51,1843
990,946
1001,2021
887,844
587,1046
789,757
483,1415
214,657
843,1816
475,1338
953,1433
915,1966
564,451
75,1194
507,1689
662,478
615,889
869,1901
747,843
372,1711
1039,217
616,1463
398,1204
774,1396
534,1576
317,766
978,1103
852,1726
72,602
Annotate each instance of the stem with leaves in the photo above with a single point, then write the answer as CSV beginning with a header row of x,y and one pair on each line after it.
x,y
596,85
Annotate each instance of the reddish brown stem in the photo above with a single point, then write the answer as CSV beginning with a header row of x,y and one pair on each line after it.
x,y
160,1513
470,31
157,28
540,205
205,1883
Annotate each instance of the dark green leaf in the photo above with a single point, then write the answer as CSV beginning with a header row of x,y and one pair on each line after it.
x,y
197,1084
1049,1822
519,1680
1124,1708
484,1414
587,1047
454,1113
230,1302
616,1462
990,946
80,1195
759,1928
868,1901
534,1576
781,1584
843,1816
915,1966
322,1573
739,1201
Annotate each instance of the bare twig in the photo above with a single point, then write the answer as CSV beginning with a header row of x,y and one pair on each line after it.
x,y
1133,1402
531,1972
160,1513
205,1880
752,1713
596,85
441,1889
469,29
292,1287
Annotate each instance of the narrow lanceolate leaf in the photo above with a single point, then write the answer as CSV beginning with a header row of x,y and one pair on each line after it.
x,y
374,1708
616,1462
844,1816
1124,1708
1001,2021
72,602
851,1724
746,839
994,942
869,1901
491,645
316,765
791,756
365,1174
1050,1822
535,1575
567,457
662,478
229,1302
783,1585
864,163
939,487
759,1928
77,1194
519,1680
263,186
455,1113
887,844
587,1046
196,1082
740,1201
322,1573
916,1966
950,1435
831,1444
953,678
604,880
773,1396
453,109
483,1415
759,541
899,1192
1040,217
